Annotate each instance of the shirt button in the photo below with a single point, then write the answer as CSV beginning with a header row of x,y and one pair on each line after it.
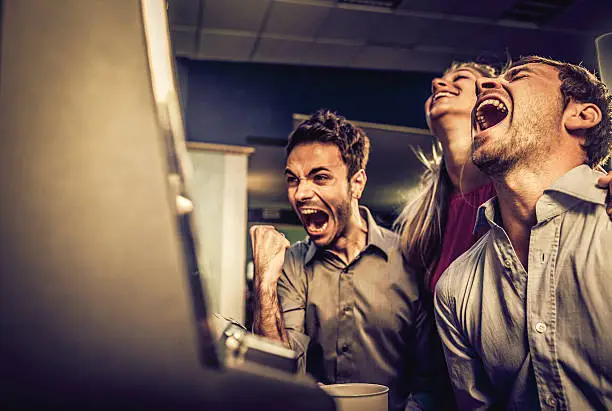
x,y
507,263
346,348
551,400
541,328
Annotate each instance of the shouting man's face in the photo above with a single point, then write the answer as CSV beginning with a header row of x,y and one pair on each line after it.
x,y
517,118
320,191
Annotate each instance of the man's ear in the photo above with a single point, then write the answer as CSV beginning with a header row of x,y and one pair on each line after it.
x,y
358,182
581,116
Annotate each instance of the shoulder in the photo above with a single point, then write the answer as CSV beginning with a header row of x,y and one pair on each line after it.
x,y
299,249
456,279
388,236
295,257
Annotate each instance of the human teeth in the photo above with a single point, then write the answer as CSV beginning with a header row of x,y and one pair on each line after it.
x,y
316,230
308,211
490,112
498,104
442,94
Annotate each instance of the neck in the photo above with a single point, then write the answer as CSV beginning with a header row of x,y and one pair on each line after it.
x,y
518,192
457,148
355,236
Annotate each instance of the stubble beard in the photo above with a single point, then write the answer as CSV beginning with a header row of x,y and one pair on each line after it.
x,y
525,145
343,216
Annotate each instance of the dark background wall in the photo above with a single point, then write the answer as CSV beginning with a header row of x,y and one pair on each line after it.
x,y
227,102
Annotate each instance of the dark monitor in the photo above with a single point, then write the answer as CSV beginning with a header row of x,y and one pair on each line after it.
x,y
101,304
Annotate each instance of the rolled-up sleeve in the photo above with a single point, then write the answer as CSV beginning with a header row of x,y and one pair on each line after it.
x,y
473,389
291,291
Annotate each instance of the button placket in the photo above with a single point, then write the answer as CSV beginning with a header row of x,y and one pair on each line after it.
x,y
346,325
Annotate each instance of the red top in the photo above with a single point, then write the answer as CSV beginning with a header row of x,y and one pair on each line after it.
x,y
459,232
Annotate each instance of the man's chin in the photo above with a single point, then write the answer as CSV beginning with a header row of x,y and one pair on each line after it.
x,y
491,165
320,241
323,240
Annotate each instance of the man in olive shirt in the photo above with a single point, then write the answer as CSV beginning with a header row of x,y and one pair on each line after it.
x,y
344,297
525,314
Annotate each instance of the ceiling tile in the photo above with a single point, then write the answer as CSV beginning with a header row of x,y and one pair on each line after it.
x,y
326,54
296,19
452,34
350,24
183,12
430,61
378,57
282,50
234,14
397,30
230,46
183,40
472,8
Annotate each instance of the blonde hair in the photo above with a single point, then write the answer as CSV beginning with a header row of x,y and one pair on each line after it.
x,y
422,220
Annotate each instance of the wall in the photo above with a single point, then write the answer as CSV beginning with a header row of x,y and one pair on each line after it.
x,y
219,191
227,102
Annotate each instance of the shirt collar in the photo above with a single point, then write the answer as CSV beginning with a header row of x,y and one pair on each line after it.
x,y
578,184
485,216
374,238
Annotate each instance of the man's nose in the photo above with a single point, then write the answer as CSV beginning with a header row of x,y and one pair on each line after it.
x,y
437,84
485,83
303,191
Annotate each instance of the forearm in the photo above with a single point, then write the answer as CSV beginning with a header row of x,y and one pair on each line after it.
x,y
267,317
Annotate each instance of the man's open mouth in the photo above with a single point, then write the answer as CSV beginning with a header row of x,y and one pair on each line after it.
x,y
314,220
490,113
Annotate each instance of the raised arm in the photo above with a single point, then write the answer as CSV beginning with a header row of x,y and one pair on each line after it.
x,y
269,247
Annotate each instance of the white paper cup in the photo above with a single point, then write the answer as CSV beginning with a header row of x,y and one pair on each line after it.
x,y
359,396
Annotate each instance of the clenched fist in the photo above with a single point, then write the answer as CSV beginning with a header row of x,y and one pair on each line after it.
x,y
269,248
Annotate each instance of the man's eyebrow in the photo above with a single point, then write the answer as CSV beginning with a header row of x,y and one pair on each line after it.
x,y
515,70
311,172
317,169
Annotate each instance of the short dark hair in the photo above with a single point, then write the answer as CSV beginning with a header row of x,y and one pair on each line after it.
x,y
483,69
325,126
582,86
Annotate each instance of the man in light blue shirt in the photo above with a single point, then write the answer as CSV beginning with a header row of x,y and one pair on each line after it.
x,y
525,314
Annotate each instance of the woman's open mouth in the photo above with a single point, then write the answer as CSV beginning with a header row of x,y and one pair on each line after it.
x,y
489,113
315,221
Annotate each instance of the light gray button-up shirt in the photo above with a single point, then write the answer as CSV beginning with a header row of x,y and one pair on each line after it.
x,y
541,339
361,322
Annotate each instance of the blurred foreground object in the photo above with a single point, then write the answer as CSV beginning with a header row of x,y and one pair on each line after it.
x,y
101,301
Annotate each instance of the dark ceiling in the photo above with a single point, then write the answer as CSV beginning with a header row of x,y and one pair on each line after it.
x,y
417,35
